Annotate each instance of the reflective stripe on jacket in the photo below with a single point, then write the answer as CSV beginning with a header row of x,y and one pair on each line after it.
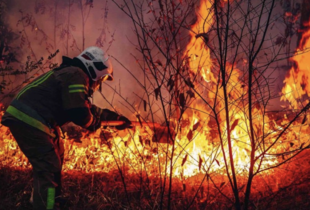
x,y
58,96
29,116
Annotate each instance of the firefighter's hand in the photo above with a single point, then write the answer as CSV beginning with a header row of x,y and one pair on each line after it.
x,y
127,123
95,124
108,115
96,111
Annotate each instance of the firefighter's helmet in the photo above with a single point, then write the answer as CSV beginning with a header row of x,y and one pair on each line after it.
x,y
97,64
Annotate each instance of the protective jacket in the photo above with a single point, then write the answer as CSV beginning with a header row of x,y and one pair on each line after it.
x,y
53,99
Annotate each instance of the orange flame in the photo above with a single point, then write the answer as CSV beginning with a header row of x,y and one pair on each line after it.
x,y
297,82
196,146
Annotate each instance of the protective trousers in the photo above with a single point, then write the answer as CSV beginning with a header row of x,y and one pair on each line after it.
x,y
46,157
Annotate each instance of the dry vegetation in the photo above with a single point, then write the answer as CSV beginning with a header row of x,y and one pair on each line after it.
x,y
106,191
218,98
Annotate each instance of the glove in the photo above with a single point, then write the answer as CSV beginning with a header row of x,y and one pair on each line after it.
x,y
127,123
95,124
107,115
96,112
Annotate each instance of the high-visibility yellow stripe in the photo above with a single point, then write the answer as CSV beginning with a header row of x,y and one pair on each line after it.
x,y
29,120
34,84
78,91
78,86
50,198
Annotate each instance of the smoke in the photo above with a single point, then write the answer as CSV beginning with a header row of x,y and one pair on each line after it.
x,y
45,26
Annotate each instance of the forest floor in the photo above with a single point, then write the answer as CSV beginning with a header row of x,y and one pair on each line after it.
x,y
106,191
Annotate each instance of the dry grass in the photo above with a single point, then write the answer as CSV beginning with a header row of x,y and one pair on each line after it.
x,y
106,191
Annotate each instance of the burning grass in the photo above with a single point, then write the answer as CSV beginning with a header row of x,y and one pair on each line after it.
x,y
92,183
135,152
225,132
289,189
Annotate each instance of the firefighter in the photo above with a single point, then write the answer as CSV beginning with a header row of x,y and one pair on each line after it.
x,y
50,101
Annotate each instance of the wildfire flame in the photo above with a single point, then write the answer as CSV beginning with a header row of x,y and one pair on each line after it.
x,y
197,145
296,83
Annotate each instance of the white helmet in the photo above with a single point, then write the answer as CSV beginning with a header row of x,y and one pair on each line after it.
x,y
97,63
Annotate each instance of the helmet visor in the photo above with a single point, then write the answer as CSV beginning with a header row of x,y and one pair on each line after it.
x,y
100,66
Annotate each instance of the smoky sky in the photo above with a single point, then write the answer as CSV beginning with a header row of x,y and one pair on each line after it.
x,y
104,23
